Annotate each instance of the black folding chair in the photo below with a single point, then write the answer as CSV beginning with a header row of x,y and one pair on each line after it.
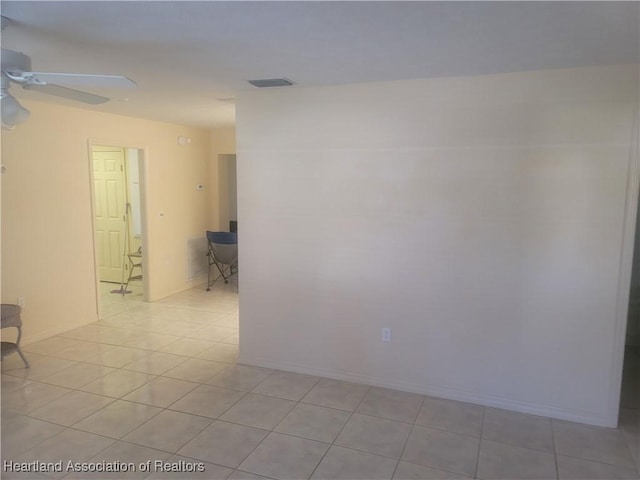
x,y
223,253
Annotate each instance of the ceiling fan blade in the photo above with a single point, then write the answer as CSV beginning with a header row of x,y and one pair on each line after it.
x,y
80,80
69,93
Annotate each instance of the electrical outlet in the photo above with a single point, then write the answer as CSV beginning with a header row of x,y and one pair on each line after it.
x,y
21,301
386,334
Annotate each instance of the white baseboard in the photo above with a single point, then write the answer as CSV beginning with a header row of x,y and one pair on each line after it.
x,y
26,340
589,418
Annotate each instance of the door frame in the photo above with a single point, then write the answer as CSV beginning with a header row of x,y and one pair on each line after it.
x,y
143,163
625,270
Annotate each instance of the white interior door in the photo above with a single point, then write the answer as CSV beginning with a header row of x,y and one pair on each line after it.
x,y
109,205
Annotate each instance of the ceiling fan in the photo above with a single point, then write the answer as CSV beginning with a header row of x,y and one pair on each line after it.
x,y
16,68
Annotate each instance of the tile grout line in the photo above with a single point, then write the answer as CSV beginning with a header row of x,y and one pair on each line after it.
x,y
484,413
406,442
341,430
555,452
636,461
218,419
168,408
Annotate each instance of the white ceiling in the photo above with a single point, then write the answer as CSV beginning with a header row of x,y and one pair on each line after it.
x,y
185,56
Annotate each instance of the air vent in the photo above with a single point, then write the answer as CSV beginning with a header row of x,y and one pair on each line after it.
x,y
271,82
197,262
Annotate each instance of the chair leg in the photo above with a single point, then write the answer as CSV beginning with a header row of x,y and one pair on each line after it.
x,y
24,359
19,350
221,269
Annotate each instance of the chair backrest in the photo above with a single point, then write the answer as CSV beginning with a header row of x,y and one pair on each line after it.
x,y
10,315
225,238
223,246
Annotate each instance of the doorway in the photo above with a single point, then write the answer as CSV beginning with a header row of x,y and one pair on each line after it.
x,y
630,392
117,180
629,402
227,192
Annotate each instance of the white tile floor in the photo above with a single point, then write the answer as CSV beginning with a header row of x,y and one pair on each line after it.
x,y
161,382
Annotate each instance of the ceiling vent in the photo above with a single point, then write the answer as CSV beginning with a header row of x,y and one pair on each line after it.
x,y
271,82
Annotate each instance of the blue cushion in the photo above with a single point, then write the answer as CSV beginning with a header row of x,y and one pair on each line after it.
x,y
225,238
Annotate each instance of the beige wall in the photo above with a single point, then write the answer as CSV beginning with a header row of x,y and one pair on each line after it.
x,y
480,218
47,240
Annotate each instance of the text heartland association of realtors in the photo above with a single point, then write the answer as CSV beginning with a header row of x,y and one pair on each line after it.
x,y
114,466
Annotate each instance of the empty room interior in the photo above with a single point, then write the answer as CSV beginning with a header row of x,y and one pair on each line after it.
x,y
433,207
